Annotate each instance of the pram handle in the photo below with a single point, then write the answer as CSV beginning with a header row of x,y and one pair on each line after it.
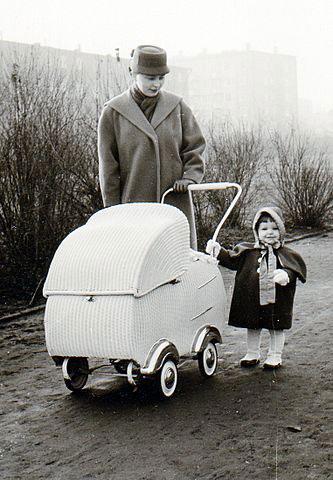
x,y
195,187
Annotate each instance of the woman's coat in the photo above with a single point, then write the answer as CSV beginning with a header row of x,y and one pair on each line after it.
x,y
139,161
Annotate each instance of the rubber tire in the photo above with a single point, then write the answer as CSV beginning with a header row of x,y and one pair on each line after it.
x,y
78,379
207,360
167,378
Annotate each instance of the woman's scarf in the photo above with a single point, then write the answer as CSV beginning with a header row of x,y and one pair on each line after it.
x,y
267,265
146,104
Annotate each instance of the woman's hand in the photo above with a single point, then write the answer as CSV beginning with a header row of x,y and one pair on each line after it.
x,y
281,277
181,186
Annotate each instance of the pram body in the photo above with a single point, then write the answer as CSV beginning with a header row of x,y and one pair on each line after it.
x,y
127,287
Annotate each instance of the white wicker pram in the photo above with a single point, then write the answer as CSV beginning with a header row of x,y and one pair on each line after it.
x,y
127,287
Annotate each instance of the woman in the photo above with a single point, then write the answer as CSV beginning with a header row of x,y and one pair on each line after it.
x,y
149,140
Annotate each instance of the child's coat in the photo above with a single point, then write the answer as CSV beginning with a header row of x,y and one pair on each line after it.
x,y
244,258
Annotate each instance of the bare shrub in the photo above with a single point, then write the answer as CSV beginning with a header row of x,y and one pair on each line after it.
x,y
46,154
234,153
303,178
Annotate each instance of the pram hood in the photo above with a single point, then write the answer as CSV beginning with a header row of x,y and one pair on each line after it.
x,y
126,249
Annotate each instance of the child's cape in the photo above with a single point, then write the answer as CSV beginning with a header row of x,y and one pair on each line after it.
x,y
288,258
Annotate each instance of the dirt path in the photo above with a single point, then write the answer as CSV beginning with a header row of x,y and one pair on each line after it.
x,y
234,426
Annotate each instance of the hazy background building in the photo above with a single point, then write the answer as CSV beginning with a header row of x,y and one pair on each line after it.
x,y
248,85
103,75
245,85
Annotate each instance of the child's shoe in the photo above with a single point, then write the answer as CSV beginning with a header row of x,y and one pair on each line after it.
x,y
273,361
251,359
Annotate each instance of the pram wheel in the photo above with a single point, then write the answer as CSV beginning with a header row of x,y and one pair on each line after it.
x,y
75,371
207,360
167,378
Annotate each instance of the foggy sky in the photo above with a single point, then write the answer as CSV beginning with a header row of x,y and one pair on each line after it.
x,y
297,27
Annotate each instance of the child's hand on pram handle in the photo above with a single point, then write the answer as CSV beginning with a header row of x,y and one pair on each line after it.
x,y
180,186
281,277
213,248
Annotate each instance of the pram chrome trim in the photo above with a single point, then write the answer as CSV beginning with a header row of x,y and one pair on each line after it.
x,y
201,313
158,352
89,294
207,282
100,293
203,336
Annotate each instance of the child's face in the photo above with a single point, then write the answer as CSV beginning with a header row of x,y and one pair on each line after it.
x,y
268,232
149,85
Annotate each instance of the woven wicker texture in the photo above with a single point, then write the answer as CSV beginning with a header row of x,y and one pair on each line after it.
x,y
129,248
122,326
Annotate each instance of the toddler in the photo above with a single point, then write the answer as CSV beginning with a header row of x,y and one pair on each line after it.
x,y
265,285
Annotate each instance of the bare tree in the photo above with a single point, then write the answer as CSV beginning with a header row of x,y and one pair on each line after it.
x,y
303,178
47,164
235,153
112,78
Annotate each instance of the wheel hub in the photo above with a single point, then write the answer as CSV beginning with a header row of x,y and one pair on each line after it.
x,y
210,358
169,378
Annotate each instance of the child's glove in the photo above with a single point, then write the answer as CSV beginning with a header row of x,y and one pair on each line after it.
x,y
281,277
213,248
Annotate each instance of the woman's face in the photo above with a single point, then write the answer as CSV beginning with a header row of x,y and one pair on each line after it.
x,y
149,85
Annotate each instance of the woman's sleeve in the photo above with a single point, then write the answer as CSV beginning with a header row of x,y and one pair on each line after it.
x,y
193,146
109,177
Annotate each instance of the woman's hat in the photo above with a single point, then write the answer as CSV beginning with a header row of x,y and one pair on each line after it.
x,y
149,60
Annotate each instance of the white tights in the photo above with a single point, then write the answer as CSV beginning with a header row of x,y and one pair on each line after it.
x,y
277,338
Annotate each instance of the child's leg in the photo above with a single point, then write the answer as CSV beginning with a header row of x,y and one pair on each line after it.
x,y
253,348
274,359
